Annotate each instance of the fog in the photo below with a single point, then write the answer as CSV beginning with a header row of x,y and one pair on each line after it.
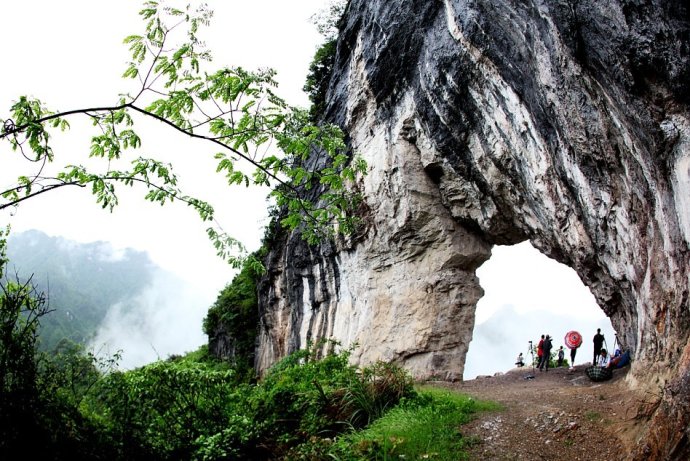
x,y
165,319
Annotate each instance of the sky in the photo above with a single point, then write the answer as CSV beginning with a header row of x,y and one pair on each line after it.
x,y
70,54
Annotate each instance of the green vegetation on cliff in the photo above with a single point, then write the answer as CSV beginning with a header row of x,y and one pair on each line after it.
x,y
320,71
234,316
321,66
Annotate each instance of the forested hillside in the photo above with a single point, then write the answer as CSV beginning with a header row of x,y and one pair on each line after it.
x,y
80,280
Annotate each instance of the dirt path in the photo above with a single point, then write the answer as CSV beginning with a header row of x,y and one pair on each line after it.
x,y
556,415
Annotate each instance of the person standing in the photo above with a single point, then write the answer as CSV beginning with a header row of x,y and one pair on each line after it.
x,y
540,351
598,344
573,340
573,351
546,353
561,356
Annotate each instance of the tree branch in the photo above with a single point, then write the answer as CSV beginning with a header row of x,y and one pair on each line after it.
x,y
47,118
44,190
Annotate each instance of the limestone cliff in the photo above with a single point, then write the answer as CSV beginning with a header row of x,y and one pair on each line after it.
x,y
491,122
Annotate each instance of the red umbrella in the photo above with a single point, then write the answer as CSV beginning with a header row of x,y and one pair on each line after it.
x,y
573,339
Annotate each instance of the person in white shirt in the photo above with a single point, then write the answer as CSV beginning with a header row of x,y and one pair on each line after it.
x,y
520,361
603,359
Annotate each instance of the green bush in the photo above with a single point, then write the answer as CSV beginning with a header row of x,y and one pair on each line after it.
x,y
553,358
303,399
421,427
72,405
160,410
39,394
374,391
327,22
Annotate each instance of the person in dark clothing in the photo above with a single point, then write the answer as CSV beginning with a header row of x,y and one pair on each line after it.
x,y
598,344
561,356
546,356
573,351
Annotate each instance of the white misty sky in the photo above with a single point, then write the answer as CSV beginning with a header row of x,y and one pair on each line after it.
x,y
528,295
70,55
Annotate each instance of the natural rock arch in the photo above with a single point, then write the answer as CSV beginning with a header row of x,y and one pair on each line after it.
x,y
489,122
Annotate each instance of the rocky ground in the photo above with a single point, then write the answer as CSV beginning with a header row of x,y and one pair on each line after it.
x,y
556,415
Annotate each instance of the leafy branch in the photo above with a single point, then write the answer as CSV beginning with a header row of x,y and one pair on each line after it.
x,y
231,108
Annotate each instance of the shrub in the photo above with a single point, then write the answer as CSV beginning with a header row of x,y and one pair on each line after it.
x,y
553,358
160,410
39,394
425,426
304,401
375,390
301,396
327,23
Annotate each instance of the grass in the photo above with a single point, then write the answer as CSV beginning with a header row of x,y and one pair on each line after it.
x,y
427,427
597,418
592,416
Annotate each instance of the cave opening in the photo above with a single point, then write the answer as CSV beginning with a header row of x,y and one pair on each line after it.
x,y
527,294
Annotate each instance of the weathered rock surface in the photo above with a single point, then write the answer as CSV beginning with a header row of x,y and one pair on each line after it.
x,y
491,122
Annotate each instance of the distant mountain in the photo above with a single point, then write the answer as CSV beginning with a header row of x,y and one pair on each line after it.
x,y
81,281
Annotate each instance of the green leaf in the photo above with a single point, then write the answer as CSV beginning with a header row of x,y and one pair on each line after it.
x,y
131,72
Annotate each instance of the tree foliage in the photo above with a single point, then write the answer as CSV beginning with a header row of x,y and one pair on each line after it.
x,y
40,394
321,66
260,139
20,310
235,314
75,406
327,20
319,76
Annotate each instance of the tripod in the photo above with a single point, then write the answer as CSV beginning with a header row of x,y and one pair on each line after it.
x,y
531,351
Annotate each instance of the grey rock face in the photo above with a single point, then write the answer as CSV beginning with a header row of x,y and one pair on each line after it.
x,y
491,122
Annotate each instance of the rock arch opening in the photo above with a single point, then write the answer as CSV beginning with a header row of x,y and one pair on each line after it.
x,y
527,294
